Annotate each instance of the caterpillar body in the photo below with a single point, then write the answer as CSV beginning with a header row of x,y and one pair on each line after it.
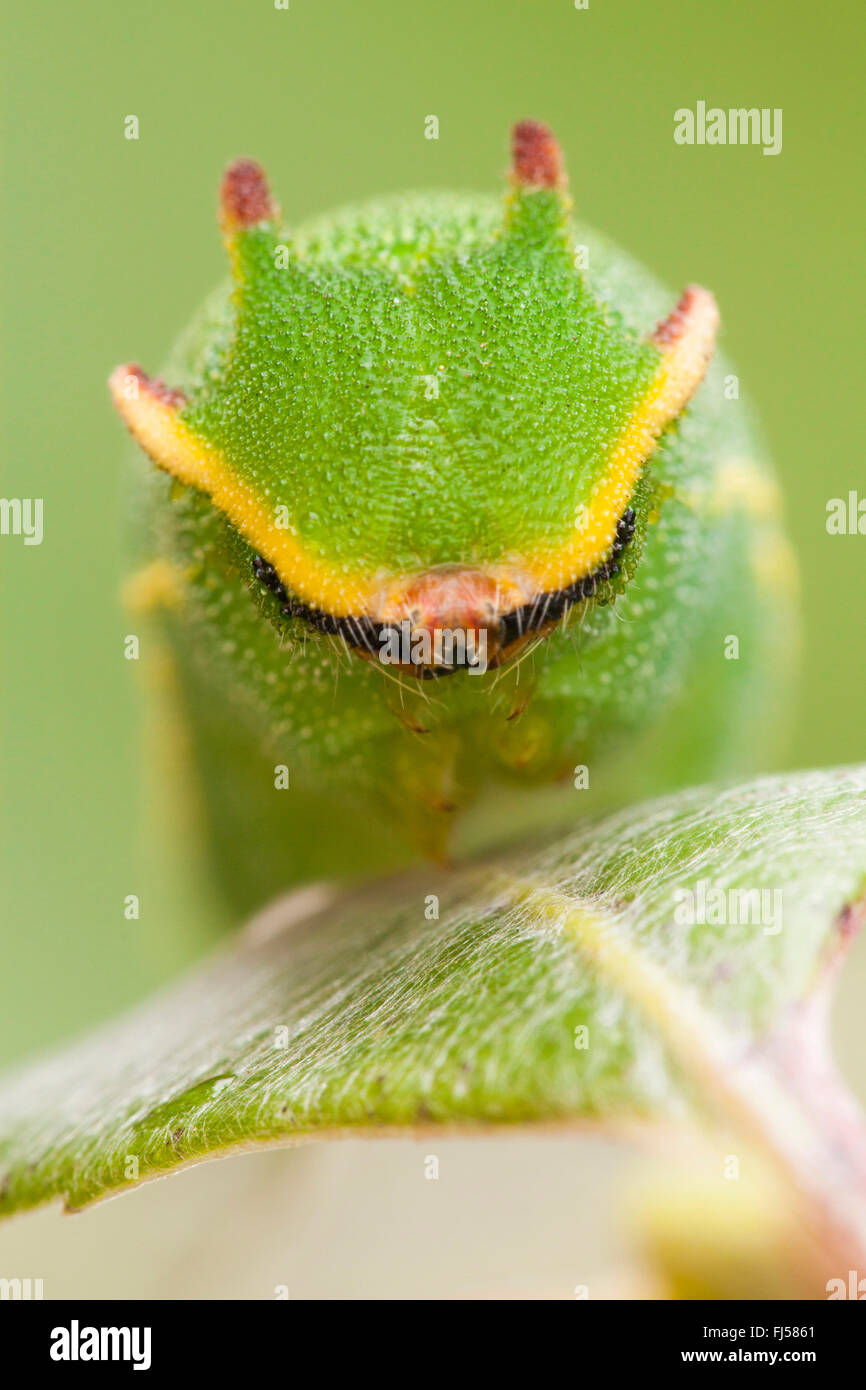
x,y
439,416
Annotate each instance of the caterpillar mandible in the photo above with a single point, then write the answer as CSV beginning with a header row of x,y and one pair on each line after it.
x,y
440,416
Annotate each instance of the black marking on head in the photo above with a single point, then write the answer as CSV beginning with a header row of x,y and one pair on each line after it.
x,y
549,607
368,636
358,632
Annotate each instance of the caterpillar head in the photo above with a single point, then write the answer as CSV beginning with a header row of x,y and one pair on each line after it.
x,y
424,423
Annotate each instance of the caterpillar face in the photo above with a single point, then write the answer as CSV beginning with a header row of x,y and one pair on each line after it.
x,y
426,428
453,601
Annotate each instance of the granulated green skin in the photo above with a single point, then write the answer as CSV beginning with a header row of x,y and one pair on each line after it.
x,y
322,399
321,402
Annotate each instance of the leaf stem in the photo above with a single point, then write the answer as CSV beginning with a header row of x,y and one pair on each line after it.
x,y
783,1093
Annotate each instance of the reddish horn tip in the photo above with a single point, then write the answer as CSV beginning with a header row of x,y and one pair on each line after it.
x,y
245,198
536,156
150,385
671,329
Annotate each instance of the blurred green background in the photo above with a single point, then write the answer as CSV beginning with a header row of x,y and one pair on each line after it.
x,y
111,243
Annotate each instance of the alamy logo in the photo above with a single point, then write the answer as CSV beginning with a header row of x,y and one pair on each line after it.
x,y
77,1343
855,1287
708,905
846,516
20,1290
450,648
739,125
22,516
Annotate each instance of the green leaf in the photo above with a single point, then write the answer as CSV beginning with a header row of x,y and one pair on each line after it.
x,y
371,1015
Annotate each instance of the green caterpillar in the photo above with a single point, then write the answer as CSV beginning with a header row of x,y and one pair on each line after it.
x,y
446,519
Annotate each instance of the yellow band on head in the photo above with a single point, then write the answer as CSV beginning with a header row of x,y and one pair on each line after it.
x,y
151,412
686,340
154,423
